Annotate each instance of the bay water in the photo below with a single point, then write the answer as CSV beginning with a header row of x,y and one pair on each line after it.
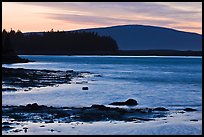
x,y
154,81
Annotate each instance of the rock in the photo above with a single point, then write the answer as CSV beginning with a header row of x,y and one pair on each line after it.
x,y
97,75
160,109
194,120
129,102
100,107
69,71
85,88
9,89
25,129
6,123
17,130
49,121
6,128
190,109
33,106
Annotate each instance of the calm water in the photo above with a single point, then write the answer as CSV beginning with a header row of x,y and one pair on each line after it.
x,y
171,82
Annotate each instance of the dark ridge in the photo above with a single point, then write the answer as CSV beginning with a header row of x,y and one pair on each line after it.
x,y
142,37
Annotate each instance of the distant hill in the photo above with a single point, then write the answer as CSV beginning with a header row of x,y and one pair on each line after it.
x,y
140,37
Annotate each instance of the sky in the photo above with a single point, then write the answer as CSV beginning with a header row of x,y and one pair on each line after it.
x,y
44,16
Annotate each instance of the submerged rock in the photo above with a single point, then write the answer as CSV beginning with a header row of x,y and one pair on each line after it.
x,y
129,102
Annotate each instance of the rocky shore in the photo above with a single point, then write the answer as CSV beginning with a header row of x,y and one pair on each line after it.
x,y
14,79
48,114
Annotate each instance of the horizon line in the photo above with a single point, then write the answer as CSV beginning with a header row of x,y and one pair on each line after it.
x,y
103,27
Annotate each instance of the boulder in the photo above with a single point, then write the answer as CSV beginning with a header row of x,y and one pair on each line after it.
x,y
85,88
33,106
129,102
190,109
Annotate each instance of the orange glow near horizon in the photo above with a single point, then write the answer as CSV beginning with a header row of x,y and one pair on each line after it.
x,y
44,16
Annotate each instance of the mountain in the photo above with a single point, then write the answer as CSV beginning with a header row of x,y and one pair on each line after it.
x,y
140,37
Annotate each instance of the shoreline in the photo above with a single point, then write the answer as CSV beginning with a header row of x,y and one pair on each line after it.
x,y
126,53
113,56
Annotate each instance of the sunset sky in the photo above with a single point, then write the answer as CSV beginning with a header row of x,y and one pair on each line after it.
x,y
43,16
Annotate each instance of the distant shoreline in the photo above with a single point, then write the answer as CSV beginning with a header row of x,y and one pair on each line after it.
x,y
127,53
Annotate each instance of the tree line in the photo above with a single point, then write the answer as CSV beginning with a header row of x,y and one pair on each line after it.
x,y
59,42
9,55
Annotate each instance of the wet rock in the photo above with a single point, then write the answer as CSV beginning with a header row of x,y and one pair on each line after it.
x,y
190,109
129,102
25,129
17,130
100,107
9,89
29,78
194,120
6,128
49,121
85,88
160,109
69,71
181,112
33,106
6,123
96,112
62,115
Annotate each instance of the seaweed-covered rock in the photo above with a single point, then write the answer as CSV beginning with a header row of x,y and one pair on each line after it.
x,y
129,102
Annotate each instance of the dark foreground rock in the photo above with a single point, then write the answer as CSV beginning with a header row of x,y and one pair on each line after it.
x,y
41,113
129,102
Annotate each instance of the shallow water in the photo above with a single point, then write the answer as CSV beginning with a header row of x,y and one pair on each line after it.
x,y
172,82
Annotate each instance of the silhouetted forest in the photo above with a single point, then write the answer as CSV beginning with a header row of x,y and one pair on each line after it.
x,y
9,55
60,42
